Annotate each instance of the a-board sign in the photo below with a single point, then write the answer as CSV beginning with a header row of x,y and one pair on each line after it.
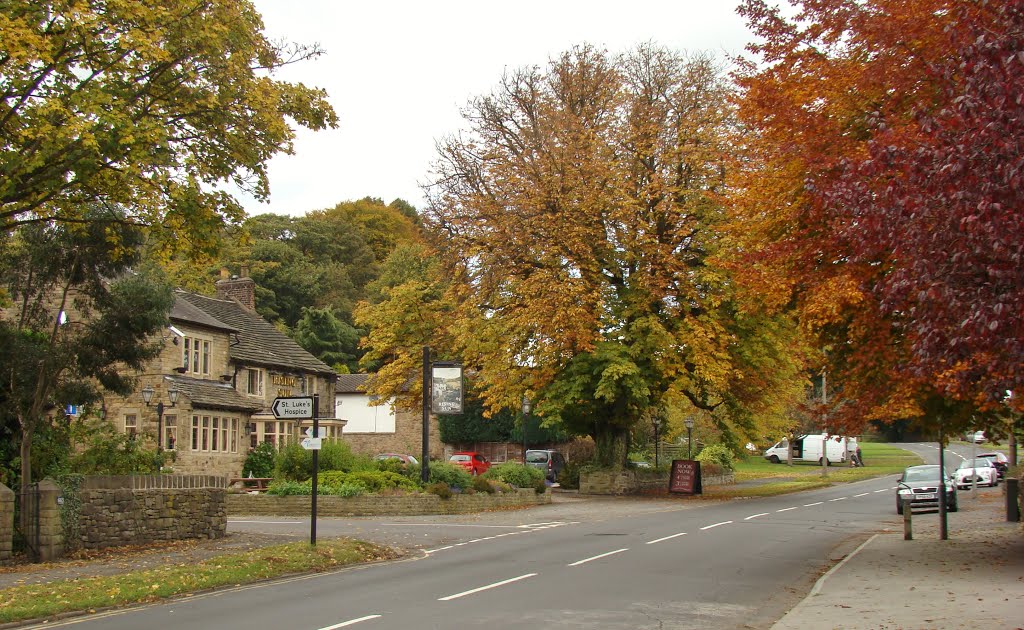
x,y
685,477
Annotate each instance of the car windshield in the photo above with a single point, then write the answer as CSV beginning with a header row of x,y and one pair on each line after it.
x,y
536,457
975,463
921,474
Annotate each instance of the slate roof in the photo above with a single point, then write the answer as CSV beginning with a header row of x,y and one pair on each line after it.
x,y
257,341
351,384
214,394
185,311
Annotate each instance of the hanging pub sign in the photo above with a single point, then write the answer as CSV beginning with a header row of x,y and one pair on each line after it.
x,y
445,388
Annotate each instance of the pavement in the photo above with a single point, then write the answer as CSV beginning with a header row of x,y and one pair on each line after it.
x,y
974,579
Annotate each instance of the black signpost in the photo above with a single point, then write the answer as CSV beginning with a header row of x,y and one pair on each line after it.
x,y
303,408
685,477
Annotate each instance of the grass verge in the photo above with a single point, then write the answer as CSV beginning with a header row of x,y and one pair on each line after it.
x,y
38,601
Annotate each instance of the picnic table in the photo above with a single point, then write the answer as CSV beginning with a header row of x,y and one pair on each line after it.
x,y
259,484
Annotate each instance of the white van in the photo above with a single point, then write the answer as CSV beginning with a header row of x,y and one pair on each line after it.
x,y
807,448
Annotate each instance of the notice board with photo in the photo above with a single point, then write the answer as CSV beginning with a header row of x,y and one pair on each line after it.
x,y
685,477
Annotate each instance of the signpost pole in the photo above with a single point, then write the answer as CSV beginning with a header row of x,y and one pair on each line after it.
x,y
316,468
425,452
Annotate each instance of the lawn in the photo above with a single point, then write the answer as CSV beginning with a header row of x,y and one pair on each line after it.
x,y
40,601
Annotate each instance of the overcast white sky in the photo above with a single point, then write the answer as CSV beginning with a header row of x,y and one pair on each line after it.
x,y
398,72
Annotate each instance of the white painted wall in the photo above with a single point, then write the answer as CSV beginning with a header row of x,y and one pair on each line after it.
x,y
363,417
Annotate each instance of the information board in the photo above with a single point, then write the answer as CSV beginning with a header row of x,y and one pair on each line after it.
x,y
685,477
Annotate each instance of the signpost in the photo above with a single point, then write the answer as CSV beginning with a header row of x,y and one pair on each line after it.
x,y
304,408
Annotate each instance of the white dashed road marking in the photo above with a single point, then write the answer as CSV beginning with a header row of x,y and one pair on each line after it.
x,y
715,525
603,555
485,588
666,538
350,622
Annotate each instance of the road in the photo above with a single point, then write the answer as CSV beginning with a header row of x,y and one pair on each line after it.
x,y
611,563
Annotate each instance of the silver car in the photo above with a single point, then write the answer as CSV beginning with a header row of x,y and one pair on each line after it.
x,y
921,485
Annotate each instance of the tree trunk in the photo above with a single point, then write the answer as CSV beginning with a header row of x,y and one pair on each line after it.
x,y
612,446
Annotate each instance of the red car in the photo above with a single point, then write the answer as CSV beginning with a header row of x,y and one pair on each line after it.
x,y
473,462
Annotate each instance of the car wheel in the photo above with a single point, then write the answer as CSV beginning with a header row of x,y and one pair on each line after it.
x,y
774,459
995,482
952,507
826,462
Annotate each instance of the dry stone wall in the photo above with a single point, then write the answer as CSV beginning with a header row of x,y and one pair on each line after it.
x,y
378,505
132,510
6,522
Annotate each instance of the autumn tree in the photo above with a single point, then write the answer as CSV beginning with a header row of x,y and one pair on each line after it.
x,y
869,196
146,107
578,218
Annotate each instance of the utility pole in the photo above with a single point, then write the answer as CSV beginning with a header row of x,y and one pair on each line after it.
x,y
824,424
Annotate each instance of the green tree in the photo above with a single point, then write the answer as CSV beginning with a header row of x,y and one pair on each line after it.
x,y
79,318
329,339
149,107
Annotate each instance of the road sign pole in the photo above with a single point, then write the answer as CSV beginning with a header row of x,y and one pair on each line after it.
x,y
316,466
425,451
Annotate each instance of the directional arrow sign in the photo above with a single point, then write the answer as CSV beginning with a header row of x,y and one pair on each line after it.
x,y
293,407
322,432
312,444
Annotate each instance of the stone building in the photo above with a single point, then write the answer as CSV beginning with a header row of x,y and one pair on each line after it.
x,y
373,429
208,395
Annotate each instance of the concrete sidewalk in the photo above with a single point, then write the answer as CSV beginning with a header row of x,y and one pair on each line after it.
x,y
975,579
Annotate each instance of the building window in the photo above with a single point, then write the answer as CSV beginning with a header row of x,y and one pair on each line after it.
x,y
215,435
277,433
254,386
131,425
196,356
170,432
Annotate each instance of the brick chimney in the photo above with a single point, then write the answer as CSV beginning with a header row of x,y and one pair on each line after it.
x,y
241,289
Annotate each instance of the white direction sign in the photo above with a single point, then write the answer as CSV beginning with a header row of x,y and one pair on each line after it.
x,y
293,408
321,432
312,444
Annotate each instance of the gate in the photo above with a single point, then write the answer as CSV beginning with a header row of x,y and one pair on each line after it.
x,y
27,523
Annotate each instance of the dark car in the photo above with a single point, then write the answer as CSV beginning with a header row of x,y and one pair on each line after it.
x,y
921,485
551,462
1000,460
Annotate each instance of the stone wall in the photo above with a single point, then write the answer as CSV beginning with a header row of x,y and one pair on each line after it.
x,y
140,509
376,505
624,482
6,522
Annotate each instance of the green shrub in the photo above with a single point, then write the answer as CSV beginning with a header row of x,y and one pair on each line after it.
x,y
541,487
260,461
718,454
453,475
569,478
515,474
482,485
341,490
287,488
293,463
337,455
441,489
371,480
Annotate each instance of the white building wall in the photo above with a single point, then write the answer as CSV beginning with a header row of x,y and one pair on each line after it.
x,y
363,417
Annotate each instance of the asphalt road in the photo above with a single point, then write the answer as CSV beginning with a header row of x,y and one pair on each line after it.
x,y
634,564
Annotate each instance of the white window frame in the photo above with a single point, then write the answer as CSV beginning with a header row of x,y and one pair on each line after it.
x,y
170,437
131,425
260,375
196,353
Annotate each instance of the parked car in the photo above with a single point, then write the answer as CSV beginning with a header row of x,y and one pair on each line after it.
x,y
978,437
473,462
978,470
1000,460
921,485
405,459
551,462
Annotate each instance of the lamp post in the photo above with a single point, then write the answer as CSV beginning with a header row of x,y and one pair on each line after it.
x,y
526,416
147,397
689,436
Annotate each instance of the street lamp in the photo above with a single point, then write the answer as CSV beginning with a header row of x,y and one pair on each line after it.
x,y
147,397
526,416
689,436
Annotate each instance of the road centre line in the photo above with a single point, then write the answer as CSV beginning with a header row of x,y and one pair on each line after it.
x,y
715,525
813,504
603,555
788,509
862,494
485,588
665,538
269,522
350,622
753,516
837,499
883,490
